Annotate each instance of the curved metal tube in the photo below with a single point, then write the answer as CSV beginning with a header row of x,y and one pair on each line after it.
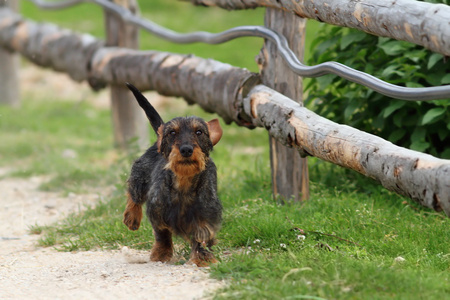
x,y
374,83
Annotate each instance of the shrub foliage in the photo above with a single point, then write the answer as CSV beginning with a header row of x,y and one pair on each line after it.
x,y
421,126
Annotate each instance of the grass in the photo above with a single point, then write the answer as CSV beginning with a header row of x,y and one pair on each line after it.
x,y
47,138
341,244
344,243
163,13
350,248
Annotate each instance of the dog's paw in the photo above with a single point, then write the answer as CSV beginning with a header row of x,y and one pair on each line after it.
x,y
131,220
202,263
161,253
202,258
133,214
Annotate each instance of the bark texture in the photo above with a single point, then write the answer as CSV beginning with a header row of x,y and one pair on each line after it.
x,y
289,170
235,95
421,23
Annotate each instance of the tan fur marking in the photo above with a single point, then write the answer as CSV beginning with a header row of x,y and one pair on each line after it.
x,y
185,172
174,125
159,134
133,214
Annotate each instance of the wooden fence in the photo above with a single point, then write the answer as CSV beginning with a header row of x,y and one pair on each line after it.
x,y
252,99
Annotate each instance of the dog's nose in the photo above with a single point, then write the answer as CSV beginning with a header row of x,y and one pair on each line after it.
x,y
186,150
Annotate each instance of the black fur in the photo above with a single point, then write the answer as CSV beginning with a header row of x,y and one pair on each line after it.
x,y
193,212
152,115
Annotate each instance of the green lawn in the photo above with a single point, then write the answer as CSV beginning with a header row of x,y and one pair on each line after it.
x,y
351,240
342,243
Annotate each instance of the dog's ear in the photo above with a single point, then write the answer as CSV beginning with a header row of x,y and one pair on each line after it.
x,y
215,131
159,134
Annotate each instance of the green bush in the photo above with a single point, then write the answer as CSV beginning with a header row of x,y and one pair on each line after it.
x,y
421,126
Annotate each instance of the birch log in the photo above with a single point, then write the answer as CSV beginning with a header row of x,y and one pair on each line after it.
x,y
421,23
421,177
290,177
235,95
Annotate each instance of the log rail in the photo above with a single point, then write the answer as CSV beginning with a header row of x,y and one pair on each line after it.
x,y
236,95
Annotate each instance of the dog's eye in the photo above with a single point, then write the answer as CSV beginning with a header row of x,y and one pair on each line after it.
x,y
173,132
198,132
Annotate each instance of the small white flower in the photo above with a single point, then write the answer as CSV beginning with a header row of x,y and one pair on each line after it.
x,y
283,246
399,259
257,241
301,237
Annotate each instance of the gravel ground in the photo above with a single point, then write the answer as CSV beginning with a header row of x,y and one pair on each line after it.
x,y
31,272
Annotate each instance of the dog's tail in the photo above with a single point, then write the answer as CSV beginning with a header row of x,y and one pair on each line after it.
x,y
152,115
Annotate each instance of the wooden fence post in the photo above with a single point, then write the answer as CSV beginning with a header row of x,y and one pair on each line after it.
x,y
289,171
129,121
9,69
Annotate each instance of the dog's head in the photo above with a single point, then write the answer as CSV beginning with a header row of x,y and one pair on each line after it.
x,y
186,143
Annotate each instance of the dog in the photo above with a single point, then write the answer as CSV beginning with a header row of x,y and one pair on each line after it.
x,y
177,180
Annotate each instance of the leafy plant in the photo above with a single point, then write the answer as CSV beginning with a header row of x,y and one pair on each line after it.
x,y
421,126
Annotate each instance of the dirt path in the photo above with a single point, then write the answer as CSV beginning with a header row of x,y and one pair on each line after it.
x,y
31,272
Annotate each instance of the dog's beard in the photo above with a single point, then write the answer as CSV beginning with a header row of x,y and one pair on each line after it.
x,y
187,162
185,168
